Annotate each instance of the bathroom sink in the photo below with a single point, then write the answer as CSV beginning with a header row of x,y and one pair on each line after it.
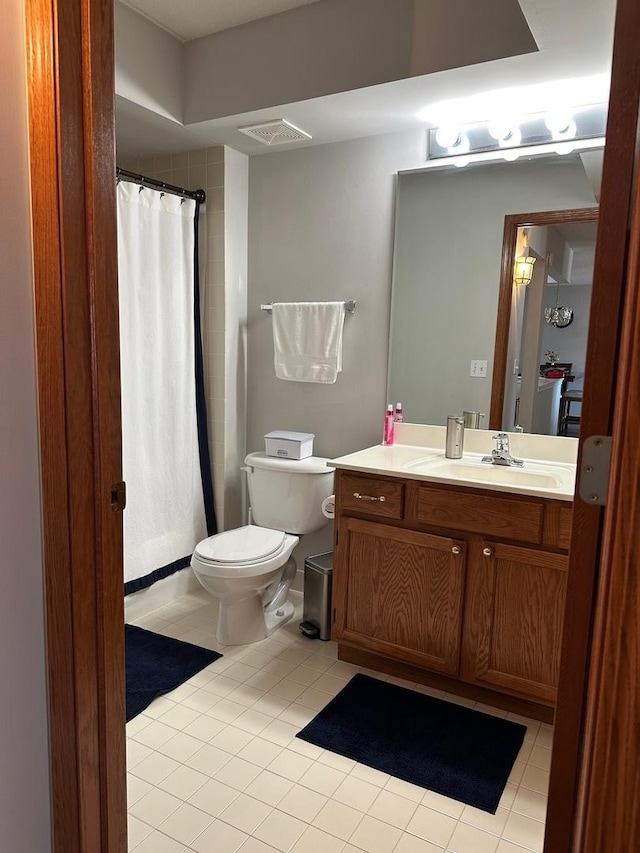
x,y
547,477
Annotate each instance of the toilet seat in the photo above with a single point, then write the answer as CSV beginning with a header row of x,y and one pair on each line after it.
x,y
242,546
249,549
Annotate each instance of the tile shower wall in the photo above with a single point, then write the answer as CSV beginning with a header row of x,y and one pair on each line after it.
x,y
205,169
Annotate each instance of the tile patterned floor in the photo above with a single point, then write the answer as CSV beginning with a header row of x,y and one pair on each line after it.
x,y
214,766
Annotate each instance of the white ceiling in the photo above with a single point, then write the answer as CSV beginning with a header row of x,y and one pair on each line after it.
x,y
574,37
190,19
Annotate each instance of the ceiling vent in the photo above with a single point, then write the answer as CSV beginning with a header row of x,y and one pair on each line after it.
x,y
275,132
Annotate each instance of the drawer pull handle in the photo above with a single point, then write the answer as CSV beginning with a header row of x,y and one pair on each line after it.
x,y
360,497
456,549
488,552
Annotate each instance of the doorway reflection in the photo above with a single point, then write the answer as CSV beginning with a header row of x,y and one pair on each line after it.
x,y
548,329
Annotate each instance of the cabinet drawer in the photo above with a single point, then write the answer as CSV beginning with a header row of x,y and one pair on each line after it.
x,y
370,495
520,520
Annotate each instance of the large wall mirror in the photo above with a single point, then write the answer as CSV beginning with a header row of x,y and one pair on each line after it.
x,y
448,259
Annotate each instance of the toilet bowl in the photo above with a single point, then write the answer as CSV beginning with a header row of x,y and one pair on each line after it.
x,y
250,569
243,568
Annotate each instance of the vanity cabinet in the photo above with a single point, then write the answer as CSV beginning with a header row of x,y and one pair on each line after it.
x,y
400,592
462,582
515,607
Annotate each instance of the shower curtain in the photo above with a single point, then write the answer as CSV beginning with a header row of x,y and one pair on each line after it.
x,y
164,435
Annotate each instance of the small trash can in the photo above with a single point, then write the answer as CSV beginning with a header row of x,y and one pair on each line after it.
x,y
316,611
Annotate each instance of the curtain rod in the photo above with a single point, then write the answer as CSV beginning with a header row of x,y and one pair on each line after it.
x,y
197,195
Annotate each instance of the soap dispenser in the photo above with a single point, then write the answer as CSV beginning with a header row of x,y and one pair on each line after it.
x,y
455,437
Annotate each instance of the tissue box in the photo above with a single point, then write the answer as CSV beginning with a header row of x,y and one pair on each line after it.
x,y
289,445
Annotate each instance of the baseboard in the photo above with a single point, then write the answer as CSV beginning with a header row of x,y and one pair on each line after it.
x,y
140,604
378,662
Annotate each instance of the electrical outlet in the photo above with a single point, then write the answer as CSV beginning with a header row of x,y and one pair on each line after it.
x,y
478,368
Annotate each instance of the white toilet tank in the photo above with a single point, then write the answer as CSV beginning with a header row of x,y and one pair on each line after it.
x,y
287,494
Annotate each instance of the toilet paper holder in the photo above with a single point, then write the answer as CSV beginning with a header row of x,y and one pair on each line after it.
x,y
329,507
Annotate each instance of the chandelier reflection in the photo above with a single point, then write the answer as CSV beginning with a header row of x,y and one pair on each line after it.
x,y
559,316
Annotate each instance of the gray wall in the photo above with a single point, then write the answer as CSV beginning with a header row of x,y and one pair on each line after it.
x,y
447,272
321,228
148,64
492,29
24,763
317,49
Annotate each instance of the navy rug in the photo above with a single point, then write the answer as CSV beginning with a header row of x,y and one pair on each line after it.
x,y
456,751
156,664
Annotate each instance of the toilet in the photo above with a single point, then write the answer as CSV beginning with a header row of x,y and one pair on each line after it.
x,y
250,569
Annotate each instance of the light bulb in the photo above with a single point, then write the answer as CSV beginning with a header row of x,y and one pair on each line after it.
x,y
500,128
447,136
512,139
461,145
561,124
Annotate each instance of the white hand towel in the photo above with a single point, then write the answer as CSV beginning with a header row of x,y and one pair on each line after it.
x,y
307,340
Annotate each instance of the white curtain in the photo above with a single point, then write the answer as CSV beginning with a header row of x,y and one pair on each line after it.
x,y
165,515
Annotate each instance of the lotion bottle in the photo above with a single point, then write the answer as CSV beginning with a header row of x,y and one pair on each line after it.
x,y
398,416
388,432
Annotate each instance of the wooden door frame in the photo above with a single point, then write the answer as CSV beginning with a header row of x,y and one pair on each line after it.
x,y
70,78
608,400
611,745
71,126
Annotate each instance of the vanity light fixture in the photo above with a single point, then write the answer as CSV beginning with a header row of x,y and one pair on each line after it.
x,y
523,267
509,137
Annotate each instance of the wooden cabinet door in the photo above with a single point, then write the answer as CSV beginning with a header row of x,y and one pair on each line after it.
x,y
399,593
514,627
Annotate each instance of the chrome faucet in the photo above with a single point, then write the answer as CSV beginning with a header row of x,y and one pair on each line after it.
x,y
501,455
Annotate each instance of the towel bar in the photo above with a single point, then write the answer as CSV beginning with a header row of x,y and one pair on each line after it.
x,y
349,306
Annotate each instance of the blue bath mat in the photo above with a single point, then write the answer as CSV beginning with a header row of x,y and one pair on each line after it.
x,y
447,748
156,664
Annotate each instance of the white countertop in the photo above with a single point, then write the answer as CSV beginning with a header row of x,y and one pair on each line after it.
x,y
418,454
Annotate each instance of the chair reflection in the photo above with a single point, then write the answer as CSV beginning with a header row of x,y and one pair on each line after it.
x,y
564,370
566,420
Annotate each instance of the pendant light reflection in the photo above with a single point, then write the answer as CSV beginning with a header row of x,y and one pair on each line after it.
x,y
559,316
523,266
